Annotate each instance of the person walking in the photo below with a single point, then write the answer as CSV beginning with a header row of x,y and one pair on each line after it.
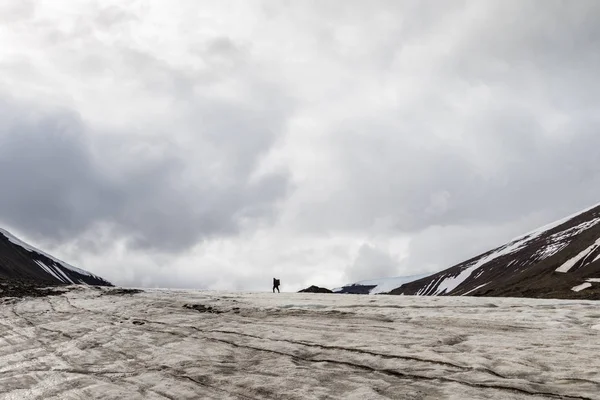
x,y
276,284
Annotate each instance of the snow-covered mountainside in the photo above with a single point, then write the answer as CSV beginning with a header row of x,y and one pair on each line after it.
x,y
376,286
21,262
559,260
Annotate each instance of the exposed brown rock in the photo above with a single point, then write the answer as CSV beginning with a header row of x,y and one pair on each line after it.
x,y
315,289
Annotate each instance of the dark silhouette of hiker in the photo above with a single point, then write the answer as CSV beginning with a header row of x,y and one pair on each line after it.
x,y
276,284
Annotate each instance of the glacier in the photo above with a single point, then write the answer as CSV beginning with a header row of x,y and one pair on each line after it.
x,y
180,344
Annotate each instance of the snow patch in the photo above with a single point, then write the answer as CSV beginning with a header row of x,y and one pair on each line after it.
x,y
384,285
451,283
576,230
472,290
595,280
537,232
566,267
581,287
549,250
425,290
60,271
13,239
48,270
560,240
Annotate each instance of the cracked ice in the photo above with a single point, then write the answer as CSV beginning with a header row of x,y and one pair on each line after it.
x,y
157,345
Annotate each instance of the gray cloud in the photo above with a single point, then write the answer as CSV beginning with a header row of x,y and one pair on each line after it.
x,y
490,147
57,188
279,139
51,186
371,262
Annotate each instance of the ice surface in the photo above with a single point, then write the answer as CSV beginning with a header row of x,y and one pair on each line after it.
x,y
566,267
86,344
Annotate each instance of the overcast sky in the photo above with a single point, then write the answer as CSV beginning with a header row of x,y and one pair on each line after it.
x,y
219,144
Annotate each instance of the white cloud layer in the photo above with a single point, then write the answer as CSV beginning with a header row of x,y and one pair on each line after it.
x,y
217,144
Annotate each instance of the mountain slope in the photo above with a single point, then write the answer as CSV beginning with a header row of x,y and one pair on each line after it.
x,y
22,262
560,260
376,286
